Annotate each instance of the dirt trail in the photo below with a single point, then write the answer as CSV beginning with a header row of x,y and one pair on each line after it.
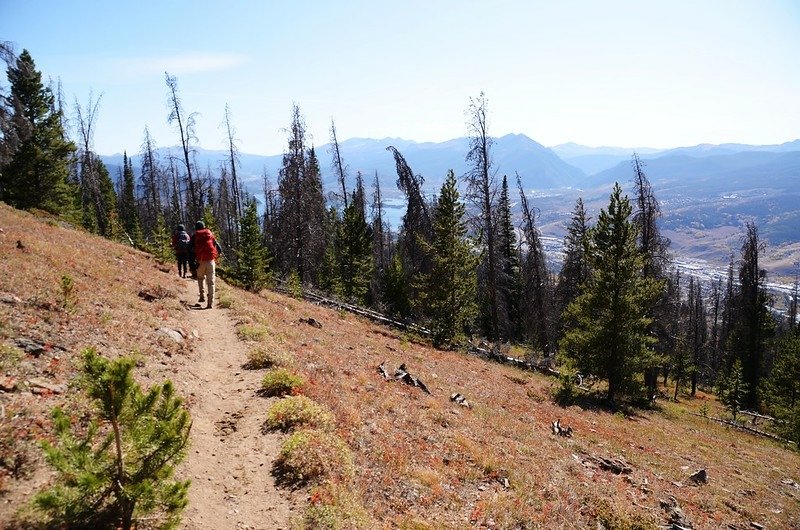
x,y
230,459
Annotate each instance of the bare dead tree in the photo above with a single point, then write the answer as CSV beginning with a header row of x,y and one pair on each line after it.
x,y
150,181
338,166
377,225
186,127
270,220
90,186
233,162
177,210
537,296
481,190
654,250
417,223
9,135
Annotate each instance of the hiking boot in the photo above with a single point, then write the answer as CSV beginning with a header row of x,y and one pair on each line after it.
x,y
202,299
209,306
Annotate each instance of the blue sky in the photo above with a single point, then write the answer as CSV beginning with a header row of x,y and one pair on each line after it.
x,y
625,73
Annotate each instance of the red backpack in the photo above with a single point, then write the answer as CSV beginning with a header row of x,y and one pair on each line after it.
x,y
204,247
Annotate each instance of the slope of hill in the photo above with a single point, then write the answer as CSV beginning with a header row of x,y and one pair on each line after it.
x,y
422,460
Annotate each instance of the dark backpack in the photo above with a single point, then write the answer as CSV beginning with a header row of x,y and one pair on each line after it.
x,y
183,242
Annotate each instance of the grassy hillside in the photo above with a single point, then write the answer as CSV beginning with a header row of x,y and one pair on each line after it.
x,y
421,460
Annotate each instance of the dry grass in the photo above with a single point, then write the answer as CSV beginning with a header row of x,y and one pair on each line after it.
x,y
424,462
297,411
262,357
102,309
420,461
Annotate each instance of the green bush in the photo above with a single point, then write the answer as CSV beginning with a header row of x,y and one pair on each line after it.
x,y
310,456
565,393
281,382
297,411
119,470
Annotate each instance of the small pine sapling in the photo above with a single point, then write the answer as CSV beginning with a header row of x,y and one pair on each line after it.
x,y
67,288
733,389
118,472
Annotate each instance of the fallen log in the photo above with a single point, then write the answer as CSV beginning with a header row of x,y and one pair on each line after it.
x,y
745,428
402,374
615,464
361,311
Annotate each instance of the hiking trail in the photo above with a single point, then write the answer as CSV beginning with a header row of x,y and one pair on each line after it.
x,y
229,460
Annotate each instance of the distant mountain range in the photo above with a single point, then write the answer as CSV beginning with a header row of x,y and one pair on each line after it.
x,y
706,191
538,166
593,160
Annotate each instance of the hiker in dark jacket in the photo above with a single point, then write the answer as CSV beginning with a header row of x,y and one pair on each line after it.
x,y
181,246
206,251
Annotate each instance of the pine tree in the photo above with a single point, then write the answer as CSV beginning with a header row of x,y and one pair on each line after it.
x,y
380,241
36,175
353,250
253,260
151,177
300,238
396,293
697,332
447,293
575,270
120,471
128,213
782,388
508,279
733,389
754,325
609,337
159,244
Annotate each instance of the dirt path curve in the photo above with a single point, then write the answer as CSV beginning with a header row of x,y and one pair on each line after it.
x,y
230,459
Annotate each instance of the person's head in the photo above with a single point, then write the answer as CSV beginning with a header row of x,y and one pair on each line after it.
x,y
199,225
181,228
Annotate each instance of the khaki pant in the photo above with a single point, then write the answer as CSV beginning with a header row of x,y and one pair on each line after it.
x,y
206,270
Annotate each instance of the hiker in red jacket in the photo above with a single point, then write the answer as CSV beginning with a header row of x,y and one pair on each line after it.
x,y
206,251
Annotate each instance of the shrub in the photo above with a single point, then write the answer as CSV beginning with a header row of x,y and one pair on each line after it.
x,y
224,301
260,357
565,393
281,382
294,285
310,456
334,507
253,333
298,411
120,469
